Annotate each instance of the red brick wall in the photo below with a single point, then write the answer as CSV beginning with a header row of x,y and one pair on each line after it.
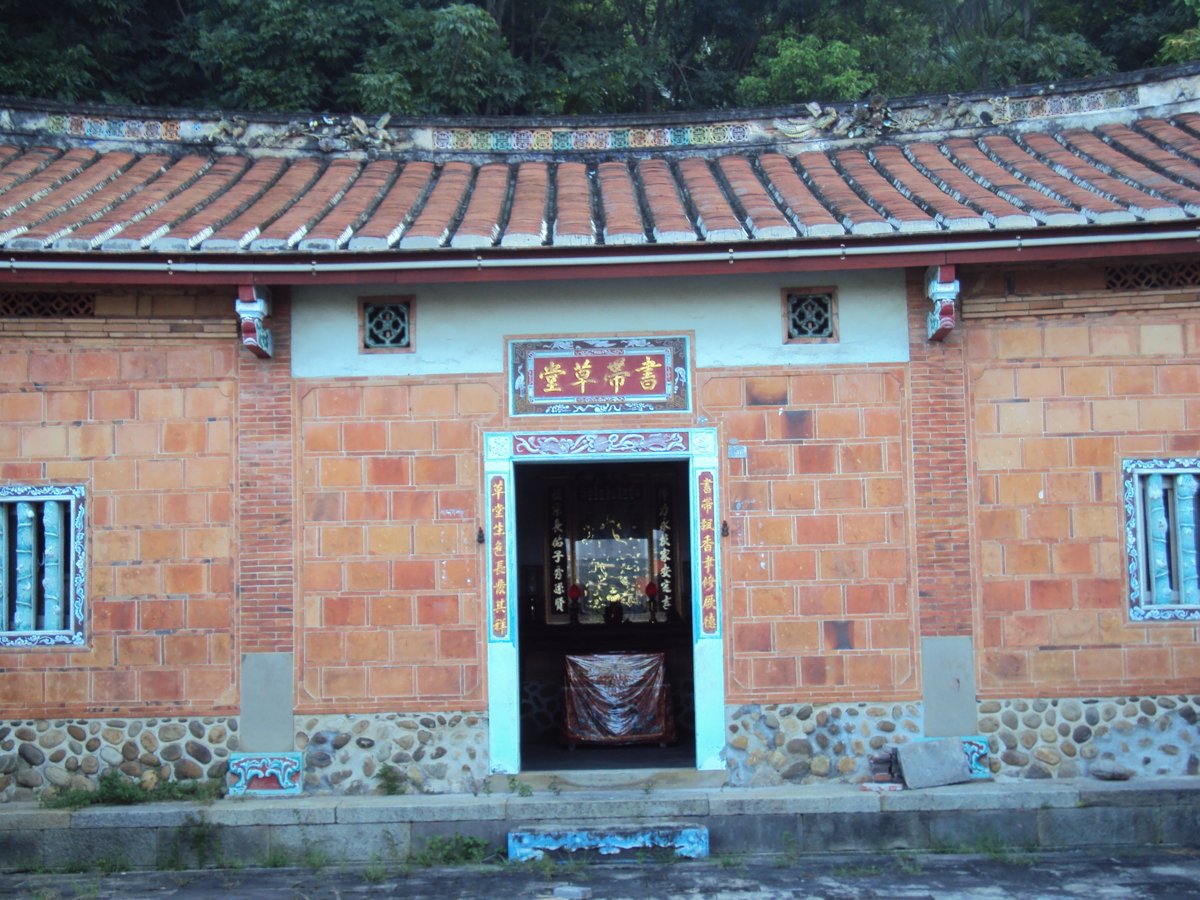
x,y
145,422
941,507
266,581
391,614
816,567
1055,404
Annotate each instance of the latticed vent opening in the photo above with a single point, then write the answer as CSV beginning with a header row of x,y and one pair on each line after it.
x,y
1153,277
387,326
810,316
46,305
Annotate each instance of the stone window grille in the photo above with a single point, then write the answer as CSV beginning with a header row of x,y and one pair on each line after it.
x,y
386,324
810,315
46,305
1161,509
42,565
1152,276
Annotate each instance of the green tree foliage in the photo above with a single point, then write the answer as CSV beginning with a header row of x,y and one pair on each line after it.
x,y
484,57
1184,45
787,69
451,60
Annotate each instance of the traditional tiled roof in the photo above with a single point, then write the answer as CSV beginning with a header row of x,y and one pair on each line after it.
x,y
1082,156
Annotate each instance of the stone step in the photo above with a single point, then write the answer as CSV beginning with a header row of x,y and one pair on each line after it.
x,y
646,780
686,839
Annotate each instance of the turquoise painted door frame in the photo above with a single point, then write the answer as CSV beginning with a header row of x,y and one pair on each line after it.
x,y
502,453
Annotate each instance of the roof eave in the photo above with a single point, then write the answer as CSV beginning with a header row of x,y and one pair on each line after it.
x,y
549,264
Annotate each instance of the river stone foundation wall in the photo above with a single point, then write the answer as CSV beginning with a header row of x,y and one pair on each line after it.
x,y
767,744
1117,737
73,753
431,753
803,743
1123,737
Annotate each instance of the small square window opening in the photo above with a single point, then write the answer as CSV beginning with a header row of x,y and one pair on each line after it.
x,y
810,315
386,324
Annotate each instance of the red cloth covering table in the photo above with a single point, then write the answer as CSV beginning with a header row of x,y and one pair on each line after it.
x,y
617,698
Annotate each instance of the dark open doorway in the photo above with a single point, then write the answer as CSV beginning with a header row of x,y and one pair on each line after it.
x,y
604,568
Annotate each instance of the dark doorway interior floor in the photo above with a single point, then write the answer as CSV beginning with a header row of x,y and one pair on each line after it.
x,y
543,757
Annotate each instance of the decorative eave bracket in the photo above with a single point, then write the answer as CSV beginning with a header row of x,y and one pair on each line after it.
x,y
253,304
941,287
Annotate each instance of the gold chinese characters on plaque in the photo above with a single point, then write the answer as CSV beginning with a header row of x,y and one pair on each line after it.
x,y
572,376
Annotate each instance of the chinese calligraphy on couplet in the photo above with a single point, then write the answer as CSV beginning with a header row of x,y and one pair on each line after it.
x,y
708,554
498,558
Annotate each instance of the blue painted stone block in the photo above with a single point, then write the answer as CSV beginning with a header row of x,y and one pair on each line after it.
x,y
266,774
976,749
532,843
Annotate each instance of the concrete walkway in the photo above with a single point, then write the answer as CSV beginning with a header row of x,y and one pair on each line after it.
x,y
1027,815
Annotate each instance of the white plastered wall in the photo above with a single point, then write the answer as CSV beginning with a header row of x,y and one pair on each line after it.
x,y
737,321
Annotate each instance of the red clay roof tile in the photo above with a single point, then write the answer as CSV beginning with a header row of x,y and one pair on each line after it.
x,y
201,224
811,216
573,224
80,213
1078,169
763,217
670,221
946,211
622,215
432,226
289,228
60,199
480,226
184,197
714,216
855,215
351,209
937,167
1038,203
527,219
1004,151
1131,170
885,198
402,199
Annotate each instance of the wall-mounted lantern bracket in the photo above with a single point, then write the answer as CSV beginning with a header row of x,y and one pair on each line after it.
x,y
253,305
941,287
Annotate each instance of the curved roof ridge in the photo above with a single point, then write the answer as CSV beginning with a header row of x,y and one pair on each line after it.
x,y
1085,102
1102,155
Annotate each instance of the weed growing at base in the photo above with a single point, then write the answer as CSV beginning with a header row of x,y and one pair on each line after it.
x,y
114,789
456,850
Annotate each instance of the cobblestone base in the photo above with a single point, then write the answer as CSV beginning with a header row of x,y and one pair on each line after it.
x,y
72,753
803,743
1027,738
1155,736
430,753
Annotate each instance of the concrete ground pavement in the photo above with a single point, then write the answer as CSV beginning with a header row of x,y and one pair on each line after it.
x,y
1145,873
787,825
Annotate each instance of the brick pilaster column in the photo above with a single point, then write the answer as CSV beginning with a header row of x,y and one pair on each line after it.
x,y
938,392
265,495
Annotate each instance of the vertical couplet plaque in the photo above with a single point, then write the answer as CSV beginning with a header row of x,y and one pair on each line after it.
x,y
498,558
708,555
